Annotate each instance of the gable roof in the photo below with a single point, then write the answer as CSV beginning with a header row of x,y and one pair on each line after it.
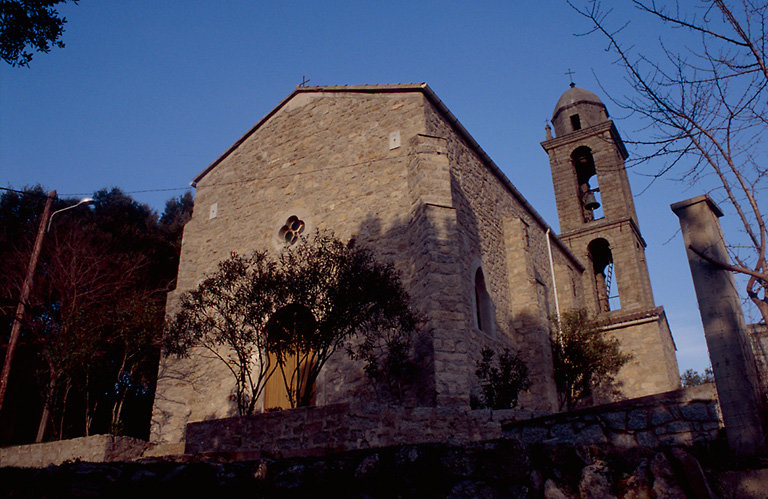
x,y
435,101
399,87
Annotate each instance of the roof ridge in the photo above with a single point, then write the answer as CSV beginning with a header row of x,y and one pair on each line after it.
x,y
363,86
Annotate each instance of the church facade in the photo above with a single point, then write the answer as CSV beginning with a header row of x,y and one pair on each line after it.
x,y
390,166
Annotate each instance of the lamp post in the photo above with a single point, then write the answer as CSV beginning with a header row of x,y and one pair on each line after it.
x,y
45,225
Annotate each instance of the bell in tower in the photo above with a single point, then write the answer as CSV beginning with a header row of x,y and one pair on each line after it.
x,y
590,201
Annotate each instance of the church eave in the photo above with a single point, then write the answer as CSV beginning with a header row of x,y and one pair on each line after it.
x,y
472,143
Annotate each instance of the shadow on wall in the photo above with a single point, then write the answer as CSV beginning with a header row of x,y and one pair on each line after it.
x,y
434,249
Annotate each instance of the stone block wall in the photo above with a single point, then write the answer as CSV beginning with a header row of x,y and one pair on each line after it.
x,y
324,158
339,427
615,191
504,236
653,366
391,167
96,448
680,417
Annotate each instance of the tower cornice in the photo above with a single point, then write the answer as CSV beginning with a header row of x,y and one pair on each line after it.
x,y
580,135
600,226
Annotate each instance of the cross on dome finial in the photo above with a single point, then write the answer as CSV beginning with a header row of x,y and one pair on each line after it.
x,y
570,74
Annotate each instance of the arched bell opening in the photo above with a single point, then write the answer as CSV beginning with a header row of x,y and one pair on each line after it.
x,y
605,275
588,190
289,333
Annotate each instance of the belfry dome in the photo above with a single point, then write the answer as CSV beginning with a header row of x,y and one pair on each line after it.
x,y
577,108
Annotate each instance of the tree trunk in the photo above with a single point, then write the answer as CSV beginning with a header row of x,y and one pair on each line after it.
x,y
43,425
64,409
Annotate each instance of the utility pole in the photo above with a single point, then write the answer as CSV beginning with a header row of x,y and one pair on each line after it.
x,y
25,290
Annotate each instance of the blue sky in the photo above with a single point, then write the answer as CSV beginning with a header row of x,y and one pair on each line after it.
x,y
146,94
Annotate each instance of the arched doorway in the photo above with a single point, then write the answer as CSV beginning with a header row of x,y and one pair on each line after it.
x,y
289,331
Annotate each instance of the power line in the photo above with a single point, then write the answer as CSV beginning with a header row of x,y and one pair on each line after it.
x,y
131,192
42,194
234,182
316,170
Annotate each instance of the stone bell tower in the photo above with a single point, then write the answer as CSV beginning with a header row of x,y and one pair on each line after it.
x,y
599,224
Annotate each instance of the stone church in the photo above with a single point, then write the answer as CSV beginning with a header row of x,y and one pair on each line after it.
x,y
391,166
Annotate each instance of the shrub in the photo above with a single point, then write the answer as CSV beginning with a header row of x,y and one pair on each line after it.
x,y
501,382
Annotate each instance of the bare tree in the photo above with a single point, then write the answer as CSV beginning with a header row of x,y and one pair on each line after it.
x,y
705,104
94,317
73,323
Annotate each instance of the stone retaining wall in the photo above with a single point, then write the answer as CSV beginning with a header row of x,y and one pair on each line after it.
x,y
96,448
341,427
680,417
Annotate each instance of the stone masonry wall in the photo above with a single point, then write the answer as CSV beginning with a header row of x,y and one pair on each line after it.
x,y
324,158
653,366
96,448
398,175
503,237
338,427
681,417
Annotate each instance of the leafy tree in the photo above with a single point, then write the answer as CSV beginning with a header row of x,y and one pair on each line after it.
x,y
348,294
29,25
290,314
584,357
501,383
178,211
691,377
704,103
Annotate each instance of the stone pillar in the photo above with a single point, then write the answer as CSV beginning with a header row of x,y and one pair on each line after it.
x,y
724,327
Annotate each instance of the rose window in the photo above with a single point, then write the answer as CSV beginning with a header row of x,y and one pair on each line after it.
x,y
291,230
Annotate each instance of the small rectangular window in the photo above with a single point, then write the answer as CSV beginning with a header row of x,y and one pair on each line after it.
x,y
575,122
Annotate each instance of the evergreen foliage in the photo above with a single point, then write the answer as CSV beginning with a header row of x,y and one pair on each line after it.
x,y
91,331
29,25
584,357
501,383
691,377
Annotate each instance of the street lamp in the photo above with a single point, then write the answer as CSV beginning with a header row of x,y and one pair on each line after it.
x,y
45,225
82,201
